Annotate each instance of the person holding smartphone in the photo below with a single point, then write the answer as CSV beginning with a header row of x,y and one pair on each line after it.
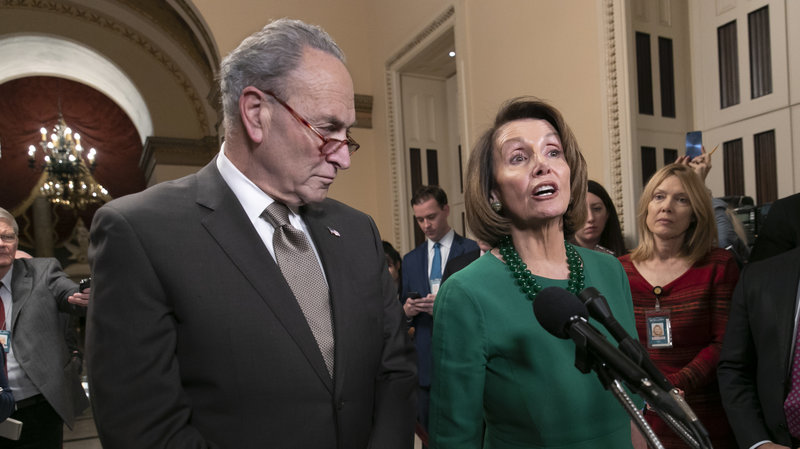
x,y
36,299
730,232
423,268
681,286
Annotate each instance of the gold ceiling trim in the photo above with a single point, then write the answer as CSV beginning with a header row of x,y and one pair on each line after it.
x,y
109,23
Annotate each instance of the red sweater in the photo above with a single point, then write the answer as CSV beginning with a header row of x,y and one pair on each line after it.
x,y
699,301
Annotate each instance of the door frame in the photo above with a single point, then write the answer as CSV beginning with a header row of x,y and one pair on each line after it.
x,y
444,23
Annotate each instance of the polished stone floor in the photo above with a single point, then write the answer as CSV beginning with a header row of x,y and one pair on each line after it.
x,y
84,435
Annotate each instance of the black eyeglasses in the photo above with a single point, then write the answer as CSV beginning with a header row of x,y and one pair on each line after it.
x,y
329,144
8,238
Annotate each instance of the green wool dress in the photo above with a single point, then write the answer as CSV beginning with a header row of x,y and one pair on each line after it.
x,y
500,381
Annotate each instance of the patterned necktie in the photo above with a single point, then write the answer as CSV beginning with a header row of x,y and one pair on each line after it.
x,y
791,406
298,263
436,265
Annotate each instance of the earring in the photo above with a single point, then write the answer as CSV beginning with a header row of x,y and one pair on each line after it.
x,y
497,206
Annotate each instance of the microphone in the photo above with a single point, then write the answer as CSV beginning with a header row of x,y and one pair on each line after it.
x,y
562,314
599,310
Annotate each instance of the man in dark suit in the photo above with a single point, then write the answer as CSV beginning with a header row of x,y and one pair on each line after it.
x,y
422,275
7,404
456,264
37,297
756,362
199,333
781,229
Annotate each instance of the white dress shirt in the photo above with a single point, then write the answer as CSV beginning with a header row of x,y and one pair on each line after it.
x,y
446,243
254,201
21,385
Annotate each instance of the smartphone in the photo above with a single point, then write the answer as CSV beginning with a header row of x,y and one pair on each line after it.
x,y
414,295
84,284
694,144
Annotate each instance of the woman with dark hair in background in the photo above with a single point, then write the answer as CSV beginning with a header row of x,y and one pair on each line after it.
x,y
682,283
500,380
394,262
602,231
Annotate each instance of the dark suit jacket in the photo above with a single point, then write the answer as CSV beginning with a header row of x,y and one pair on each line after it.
x,y
781,230
415,279
195,339
6,396
457,263
39,291
754,365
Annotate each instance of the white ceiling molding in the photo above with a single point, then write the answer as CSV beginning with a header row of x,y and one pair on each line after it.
x,y
41,55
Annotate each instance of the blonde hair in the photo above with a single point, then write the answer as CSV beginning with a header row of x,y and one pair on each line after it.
x,y
701,236
491,226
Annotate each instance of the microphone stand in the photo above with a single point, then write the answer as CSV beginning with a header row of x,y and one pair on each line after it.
x,y
690,429
586,362
679,428
694,435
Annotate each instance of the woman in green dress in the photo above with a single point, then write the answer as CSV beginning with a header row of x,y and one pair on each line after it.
x,y
499,379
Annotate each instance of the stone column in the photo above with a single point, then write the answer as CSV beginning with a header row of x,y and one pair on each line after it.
x,y
43,228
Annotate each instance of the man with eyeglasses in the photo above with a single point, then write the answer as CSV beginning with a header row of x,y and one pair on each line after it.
x,y
37,298
238,307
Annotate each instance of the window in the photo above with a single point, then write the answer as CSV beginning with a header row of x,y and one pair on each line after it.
x,y
766,167
760,56
728,65
415,163
433,167
734,167
644,73
667,76
648,163
670,156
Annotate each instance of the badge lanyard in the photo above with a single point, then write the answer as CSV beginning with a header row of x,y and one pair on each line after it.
x,y
659,324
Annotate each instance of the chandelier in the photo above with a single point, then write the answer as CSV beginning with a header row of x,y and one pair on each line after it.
x,y
69,181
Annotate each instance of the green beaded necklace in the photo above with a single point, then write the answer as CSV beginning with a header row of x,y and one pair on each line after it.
x,y
523,277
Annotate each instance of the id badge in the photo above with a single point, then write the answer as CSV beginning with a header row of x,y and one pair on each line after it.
x,y
435,283
659,328
5,338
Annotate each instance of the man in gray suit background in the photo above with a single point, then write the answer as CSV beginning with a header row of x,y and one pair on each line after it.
x,y
36,296
238,307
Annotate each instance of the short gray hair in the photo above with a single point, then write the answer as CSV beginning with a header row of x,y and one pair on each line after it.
x,y
9,218
265,58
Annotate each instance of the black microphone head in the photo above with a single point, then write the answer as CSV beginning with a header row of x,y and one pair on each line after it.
x,y
555,308
597,305
589,293
599,309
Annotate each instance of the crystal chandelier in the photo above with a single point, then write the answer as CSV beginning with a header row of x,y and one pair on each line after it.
x,y
69,181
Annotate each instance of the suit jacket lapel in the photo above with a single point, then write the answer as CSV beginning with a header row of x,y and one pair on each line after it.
x,y
229,226
784,299
21,289
456,248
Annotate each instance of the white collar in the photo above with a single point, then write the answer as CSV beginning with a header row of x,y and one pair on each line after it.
x,y
7,278
446,241
253,200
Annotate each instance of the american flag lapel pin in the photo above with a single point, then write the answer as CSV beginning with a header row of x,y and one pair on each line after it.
x,y
333,231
